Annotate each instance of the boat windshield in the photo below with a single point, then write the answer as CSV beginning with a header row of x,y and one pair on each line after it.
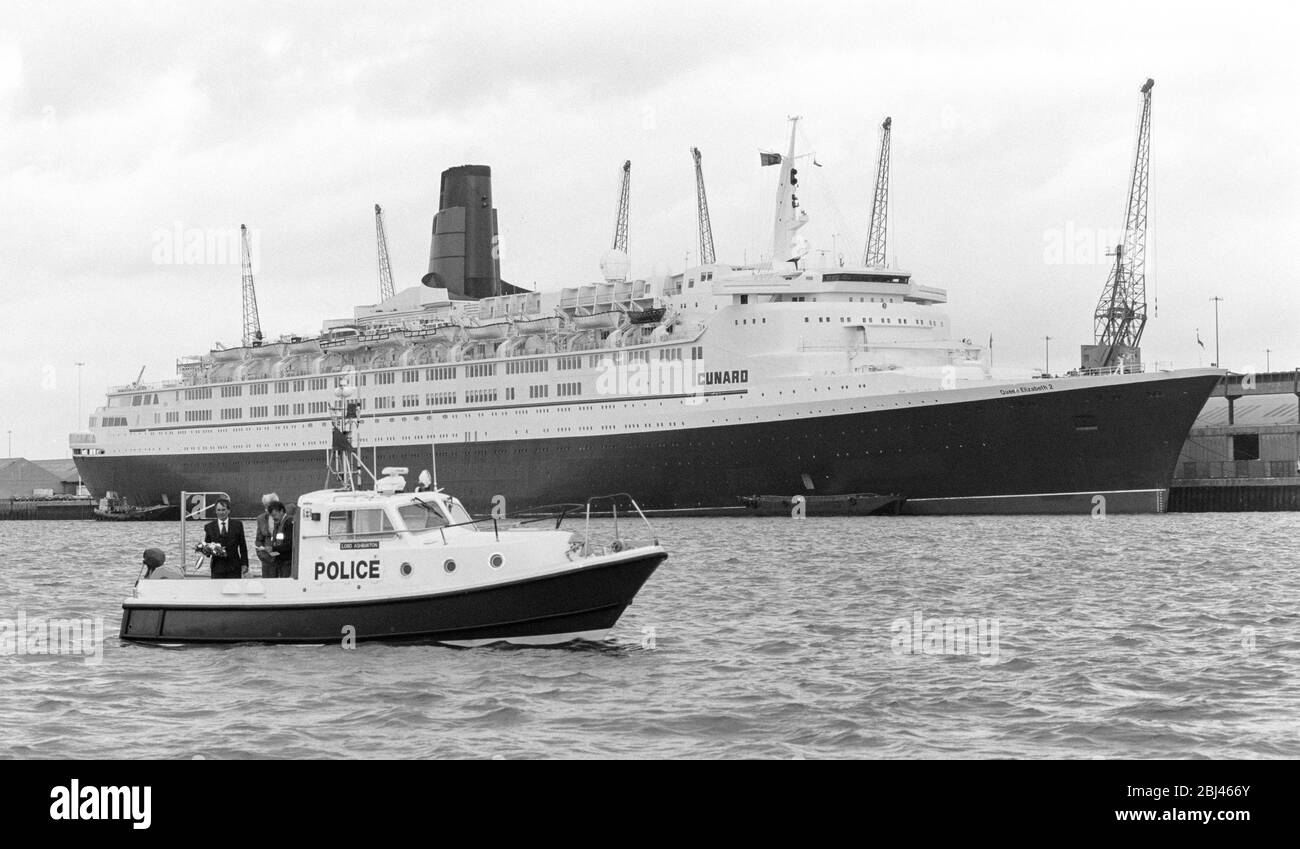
x,y
459,515
422,516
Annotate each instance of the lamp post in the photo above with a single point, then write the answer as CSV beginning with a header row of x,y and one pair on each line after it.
x,y
1047,356
1216,300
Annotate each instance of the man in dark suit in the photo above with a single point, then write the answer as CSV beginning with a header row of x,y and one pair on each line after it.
x,y
230,534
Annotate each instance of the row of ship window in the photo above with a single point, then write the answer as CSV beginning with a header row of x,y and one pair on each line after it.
x,y
472,370
869,320
389,402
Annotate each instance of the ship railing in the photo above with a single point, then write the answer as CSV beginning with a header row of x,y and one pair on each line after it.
x,y
910,345
147,387
1120,369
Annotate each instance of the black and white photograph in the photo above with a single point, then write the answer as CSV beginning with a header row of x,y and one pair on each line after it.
x,y
680,381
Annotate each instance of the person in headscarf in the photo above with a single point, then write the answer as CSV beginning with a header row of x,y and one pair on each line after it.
x,y
262,544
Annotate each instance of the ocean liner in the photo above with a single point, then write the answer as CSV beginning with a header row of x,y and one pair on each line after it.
x,y
691,391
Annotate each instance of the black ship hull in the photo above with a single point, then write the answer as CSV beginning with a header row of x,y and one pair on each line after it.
x,y
566,605
1109,447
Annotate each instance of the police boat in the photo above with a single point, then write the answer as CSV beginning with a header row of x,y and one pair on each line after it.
x,y
388,564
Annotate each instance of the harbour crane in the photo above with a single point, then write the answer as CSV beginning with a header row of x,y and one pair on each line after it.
x,y
614,265
702,206
385,272
252,326
1121,312
620,226
874,256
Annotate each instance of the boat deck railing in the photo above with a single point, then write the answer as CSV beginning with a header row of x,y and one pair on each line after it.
x,y
598,538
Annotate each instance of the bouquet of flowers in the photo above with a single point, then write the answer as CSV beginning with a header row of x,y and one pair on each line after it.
x,y
211,549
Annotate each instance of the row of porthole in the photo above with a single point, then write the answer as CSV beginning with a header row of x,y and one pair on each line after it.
x,y
496,561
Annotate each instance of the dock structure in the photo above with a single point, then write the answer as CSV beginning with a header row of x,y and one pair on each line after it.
x,y
1243,452
41,489
1235,386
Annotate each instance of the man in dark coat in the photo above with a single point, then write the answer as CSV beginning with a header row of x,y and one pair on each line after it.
x,y
279,543
262,542
230,534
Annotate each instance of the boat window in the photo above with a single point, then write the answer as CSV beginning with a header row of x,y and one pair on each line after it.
x,y
459,514
418,517
369,523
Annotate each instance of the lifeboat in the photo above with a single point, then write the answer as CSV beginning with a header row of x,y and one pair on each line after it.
x,y
538,326
489,330
652,315
446,332
606,320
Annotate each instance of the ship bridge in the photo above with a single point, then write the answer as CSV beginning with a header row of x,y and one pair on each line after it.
x,y
875,284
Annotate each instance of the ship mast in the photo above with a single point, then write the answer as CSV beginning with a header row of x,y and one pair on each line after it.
x,y
252,326
789,217
875,253
1121,312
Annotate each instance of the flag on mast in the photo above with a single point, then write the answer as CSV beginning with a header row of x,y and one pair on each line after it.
x,y
769,158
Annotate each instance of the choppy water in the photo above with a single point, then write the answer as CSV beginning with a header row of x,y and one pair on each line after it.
x,y
1152,636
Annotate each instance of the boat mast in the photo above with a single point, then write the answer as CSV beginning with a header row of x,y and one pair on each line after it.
x,y
344,460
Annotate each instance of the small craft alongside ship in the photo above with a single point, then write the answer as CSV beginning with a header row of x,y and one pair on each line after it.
x,y
118,510
858,504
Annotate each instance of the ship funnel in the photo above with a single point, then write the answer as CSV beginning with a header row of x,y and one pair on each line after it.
x,y
463,257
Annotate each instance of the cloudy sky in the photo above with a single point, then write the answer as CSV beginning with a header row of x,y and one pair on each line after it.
x,y
125,124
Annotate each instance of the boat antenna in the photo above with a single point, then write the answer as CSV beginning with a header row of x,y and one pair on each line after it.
x,y
433,454
344,459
